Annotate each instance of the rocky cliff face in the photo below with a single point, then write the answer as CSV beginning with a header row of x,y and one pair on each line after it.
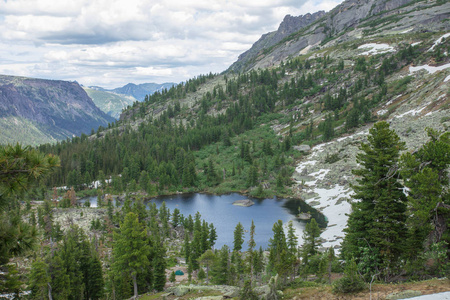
x,y
59,109
351,20
289,26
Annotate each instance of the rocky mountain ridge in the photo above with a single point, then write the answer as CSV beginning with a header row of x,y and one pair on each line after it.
x,y
56,109
137,91
351,20
288,26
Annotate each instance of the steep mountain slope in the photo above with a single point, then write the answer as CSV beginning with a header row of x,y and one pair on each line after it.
x,y
56,109
289,26
352,20
108,102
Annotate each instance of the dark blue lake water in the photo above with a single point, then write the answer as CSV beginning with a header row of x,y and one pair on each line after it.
x,y
219,210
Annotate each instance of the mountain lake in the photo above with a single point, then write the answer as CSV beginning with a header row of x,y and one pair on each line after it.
x,y
219,210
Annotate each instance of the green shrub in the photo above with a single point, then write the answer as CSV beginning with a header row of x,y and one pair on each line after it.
x,y
348,285
351,282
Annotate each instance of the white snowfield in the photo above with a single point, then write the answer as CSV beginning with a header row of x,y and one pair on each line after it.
x,y
413,112
429,69
439,40
331,201
376,49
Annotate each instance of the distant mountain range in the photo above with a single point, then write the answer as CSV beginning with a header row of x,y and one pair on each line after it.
x,y
137,91
109,102
112,101
34,111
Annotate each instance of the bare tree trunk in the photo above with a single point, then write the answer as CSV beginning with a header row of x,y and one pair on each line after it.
x,y
49,292
135,285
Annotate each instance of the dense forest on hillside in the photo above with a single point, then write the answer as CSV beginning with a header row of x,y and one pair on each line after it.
x,y
165,152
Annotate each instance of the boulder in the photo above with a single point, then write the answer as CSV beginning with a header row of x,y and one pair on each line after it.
x,y
232,293
180,290
245,202
303,148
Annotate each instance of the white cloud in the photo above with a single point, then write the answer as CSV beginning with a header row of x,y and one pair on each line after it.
x,y
113,42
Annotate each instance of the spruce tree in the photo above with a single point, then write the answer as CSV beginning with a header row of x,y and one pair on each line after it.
x,y
207,259
425,174
238,237
278,251
311,240
212,235
159,264
131,249
39,279
221,268
378,218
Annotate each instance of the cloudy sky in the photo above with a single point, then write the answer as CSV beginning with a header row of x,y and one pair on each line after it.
x,y
110,43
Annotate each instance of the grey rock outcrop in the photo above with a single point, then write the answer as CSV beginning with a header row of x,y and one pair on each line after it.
x,y
350,20
289,26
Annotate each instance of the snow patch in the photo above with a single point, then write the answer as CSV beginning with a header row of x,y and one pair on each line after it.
x,y
407,30
415,44
336,211
447,78
96,184
332,202
429,69
319,175
382,112
376,49
438,41
412,112
303,165
364,132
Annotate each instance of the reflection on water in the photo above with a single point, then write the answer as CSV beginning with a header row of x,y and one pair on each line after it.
x,y
219,210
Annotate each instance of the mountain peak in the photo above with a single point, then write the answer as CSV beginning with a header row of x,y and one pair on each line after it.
x,y
291,24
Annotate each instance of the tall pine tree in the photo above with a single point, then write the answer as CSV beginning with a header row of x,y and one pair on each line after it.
x,y
131,249
378,217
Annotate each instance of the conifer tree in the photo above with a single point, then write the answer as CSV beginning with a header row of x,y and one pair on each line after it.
x,y
278,251
238,237
221,267
378,220
212,235
251,250
39,280
130,249
159,264
175,217
292,243
311,240
207,259
425,174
